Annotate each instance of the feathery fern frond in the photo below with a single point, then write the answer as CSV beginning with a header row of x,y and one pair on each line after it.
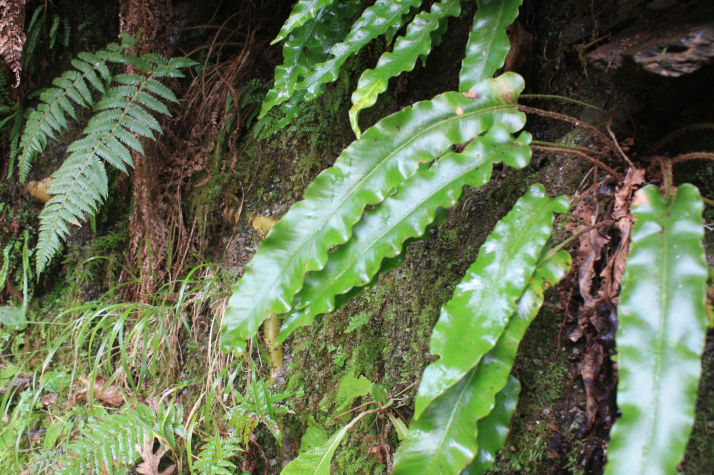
x,y
72,90
80,185
108,444
416,43
213,458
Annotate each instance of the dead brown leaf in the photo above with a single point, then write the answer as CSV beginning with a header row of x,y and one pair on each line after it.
x,y
151,460
589,371
110,394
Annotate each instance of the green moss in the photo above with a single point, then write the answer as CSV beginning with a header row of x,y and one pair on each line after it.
x,y
700,450
536,422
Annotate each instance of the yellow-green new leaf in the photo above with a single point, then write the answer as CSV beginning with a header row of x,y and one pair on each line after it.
x,y
416,42
364,174
316,461
488,43
661,333
472,322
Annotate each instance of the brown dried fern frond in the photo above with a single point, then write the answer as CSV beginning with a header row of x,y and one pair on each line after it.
x,y
12,35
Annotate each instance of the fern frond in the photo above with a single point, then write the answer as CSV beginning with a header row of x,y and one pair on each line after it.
x,y
465,332
488,43
304,48
213,458
303,12
108,444
383,231
452,418
73,89
416,42
661,333
375,21
80,185
364,174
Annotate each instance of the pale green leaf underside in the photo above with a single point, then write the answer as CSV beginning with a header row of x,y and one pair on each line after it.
x,y
383,230
471,323
661,334
444,438
488,43
364,174
416,42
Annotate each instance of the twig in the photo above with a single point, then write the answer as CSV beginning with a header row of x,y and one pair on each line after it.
x,y
617,144
678,133
692,156
566,118
580,154
554,250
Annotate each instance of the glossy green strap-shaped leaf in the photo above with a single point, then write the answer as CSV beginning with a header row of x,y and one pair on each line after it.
x,y
416,42
303,12
306,47
374,22
472,322
493,429
661,333
316,461
488,43
444,437
384,230
364,174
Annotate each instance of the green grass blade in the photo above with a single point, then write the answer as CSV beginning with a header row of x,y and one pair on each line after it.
x,y
662,328
364,174
488,43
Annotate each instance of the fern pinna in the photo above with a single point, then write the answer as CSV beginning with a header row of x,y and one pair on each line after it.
x,y
109,444
71,90
121,118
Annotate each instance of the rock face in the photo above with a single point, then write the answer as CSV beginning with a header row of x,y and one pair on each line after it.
x,y
670,50
669,40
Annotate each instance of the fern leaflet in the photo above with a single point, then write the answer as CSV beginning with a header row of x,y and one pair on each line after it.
x,y
108,444
80,185
71,90
415,43
213,458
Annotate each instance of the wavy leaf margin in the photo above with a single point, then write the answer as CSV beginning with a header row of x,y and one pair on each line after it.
x,y
661,334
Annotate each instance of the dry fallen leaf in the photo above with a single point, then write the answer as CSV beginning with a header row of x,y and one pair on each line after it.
x,y
150,460
111,394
